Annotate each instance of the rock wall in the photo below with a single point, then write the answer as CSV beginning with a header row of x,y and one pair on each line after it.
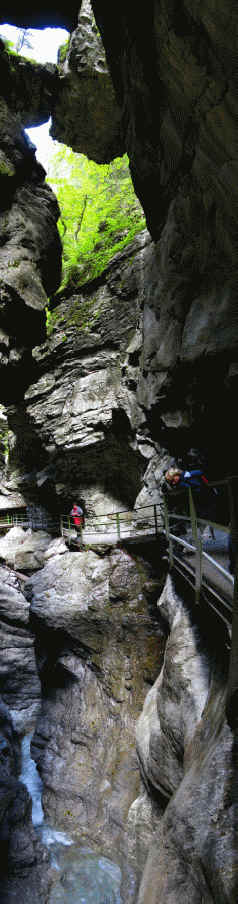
x,y
173,108
79,418
173,71
30,250
24,871
99,645
85,113
101,413
101,641
92,618
188,753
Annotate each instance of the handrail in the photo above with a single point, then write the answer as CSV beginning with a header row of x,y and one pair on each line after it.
x,y
147,520
116,526
215,564
196,523
143,521
215,524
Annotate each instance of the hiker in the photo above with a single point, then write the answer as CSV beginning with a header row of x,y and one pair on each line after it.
x,y
78,518
176,481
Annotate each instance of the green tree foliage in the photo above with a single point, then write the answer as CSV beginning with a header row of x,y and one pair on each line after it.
x,y
100,212
62,52
8,45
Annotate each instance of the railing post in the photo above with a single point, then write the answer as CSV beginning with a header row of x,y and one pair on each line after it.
x,y
118,524
232,690
169,541
155,518
198,543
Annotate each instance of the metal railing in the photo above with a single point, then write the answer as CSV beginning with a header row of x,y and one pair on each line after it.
x,y
203,563
7,521
146,521
183,533
36,522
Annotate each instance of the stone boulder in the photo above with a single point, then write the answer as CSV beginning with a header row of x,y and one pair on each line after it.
x,y
31,554
25,549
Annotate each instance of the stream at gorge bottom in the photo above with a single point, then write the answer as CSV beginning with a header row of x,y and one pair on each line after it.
x,y
80,876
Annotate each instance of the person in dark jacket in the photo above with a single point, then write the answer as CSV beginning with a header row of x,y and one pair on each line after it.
x,y
176,481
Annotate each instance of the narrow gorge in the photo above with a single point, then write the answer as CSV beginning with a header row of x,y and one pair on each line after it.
x,y
118,360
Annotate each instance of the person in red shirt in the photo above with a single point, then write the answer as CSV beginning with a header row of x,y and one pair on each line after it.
x,y
78,517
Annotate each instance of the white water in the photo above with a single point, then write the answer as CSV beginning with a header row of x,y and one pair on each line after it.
x,y
84,877
30,777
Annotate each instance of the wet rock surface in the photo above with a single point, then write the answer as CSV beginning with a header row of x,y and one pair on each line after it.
x,y
24,863
184,715
99,646
20,685
95,878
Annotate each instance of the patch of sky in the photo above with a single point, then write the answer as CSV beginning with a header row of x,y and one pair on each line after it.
x,y
41,45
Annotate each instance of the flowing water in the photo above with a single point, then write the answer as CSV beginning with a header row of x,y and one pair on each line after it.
x,y
86,878
81,875
30,777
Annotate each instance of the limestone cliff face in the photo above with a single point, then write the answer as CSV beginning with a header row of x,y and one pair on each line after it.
x,y
174,84
81,409
100,642
24,862
174,75
27,86
99,646
29,243
85,113
101,411
187,752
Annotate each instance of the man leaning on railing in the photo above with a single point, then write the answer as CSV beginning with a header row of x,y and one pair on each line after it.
x,y
176,481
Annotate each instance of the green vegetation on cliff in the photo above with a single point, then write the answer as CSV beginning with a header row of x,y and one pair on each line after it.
x,y
13,51
62,52
100,212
